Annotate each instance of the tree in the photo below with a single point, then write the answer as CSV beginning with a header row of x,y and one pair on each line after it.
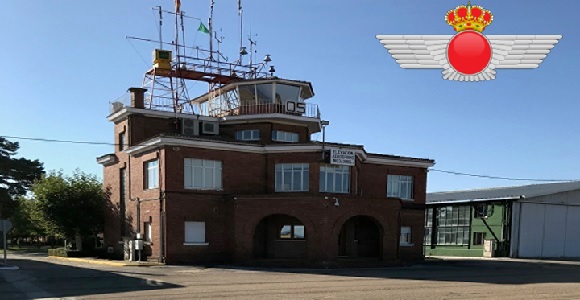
x,y
74,206
28,221
16,176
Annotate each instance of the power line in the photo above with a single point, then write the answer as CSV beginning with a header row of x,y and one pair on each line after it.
x,y
502,178
431,169
57,141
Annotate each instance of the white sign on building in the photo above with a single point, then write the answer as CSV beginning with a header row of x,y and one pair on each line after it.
x,y
342,157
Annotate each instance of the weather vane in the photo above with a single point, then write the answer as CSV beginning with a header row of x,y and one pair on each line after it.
x,y
469,55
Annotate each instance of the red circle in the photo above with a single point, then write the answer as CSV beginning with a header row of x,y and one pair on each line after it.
x,y
462,12
469,52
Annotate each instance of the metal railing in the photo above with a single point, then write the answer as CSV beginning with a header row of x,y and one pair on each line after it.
x,y
301,109
308,110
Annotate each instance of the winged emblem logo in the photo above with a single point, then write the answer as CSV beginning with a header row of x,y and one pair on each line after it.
x,y
469,55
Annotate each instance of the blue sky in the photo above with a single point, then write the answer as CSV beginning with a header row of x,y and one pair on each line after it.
x,y
64,61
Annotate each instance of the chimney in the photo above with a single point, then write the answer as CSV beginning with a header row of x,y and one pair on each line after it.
x,y
137,97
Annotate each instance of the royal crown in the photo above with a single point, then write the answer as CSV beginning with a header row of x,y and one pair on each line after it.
x,y
470,17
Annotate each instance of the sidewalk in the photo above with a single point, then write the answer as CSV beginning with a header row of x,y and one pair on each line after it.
x,y
107,262
510,259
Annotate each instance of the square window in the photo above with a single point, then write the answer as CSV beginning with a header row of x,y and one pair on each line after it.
x,y
406,236
478,238
202,174
292,232
286,232
194,233
283,136
335,179
248,135
292,177
400,186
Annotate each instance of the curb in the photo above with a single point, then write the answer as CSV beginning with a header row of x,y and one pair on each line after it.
x,y
107,262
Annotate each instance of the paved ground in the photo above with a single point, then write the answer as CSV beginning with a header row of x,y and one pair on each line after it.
x,y
41,277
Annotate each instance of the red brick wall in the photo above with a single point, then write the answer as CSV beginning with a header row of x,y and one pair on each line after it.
x,y
323,221
414,218
266,131
211,209
248,196
143,128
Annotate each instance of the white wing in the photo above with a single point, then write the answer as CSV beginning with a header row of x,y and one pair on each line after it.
x,y
427,52
417,51
520,51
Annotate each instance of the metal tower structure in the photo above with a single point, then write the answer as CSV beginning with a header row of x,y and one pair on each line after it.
x,y
174,70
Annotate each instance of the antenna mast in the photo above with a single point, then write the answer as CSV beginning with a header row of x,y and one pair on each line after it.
x,y
167,81
160,28
210,21
241,29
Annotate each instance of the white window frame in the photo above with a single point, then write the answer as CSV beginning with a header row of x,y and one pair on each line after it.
x,y
151,174
204,169
248,135
147,228
286,173
329,176
292,235
406,236
194,233
397,183
122,141
285,136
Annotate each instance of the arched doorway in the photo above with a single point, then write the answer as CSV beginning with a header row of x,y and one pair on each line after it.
x,y
360,237
280,236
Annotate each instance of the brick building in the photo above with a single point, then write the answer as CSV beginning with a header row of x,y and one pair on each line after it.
x,y
244,183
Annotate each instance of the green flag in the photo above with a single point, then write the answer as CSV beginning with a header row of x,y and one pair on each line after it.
x,y
202,28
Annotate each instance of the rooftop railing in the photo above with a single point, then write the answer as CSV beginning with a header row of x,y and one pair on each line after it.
x,y
301,109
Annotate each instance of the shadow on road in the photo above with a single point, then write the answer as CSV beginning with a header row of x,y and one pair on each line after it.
x,y
457,270
38,279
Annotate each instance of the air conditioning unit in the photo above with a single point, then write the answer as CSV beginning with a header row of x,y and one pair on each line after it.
x,y
189,127
162,59
210,128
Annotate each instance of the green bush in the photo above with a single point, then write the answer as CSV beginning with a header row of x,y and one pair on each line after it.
x,y
60,252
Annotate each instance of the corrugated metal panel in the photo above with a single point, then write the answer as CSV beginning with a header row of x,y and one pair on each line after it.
x,y
531,230
572,248
548,230
554,231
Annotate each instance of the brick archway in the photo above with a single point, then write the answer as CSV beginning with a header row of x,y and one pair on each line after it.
x,y
360,237
281,236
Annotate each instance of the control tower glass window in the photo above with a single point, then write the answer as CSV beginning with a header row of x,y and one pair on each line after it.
x,y
286,92
247,94
265,93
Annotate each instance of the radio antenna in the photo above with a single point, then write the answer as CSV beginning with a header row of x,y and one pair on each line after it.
x,y
212,2
160,26
241,30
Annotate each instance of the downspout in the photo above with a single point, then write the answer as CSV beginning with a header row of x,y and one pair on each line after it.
x,y
129,187
470,226
161,209
398,229
519,227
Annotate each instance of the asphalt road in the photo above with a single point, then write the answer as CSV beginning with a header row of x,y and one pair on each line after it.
x,y
41,277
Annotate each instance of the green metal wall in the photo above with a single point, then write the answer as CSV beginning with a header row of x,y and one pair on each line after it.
x,y
497,219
